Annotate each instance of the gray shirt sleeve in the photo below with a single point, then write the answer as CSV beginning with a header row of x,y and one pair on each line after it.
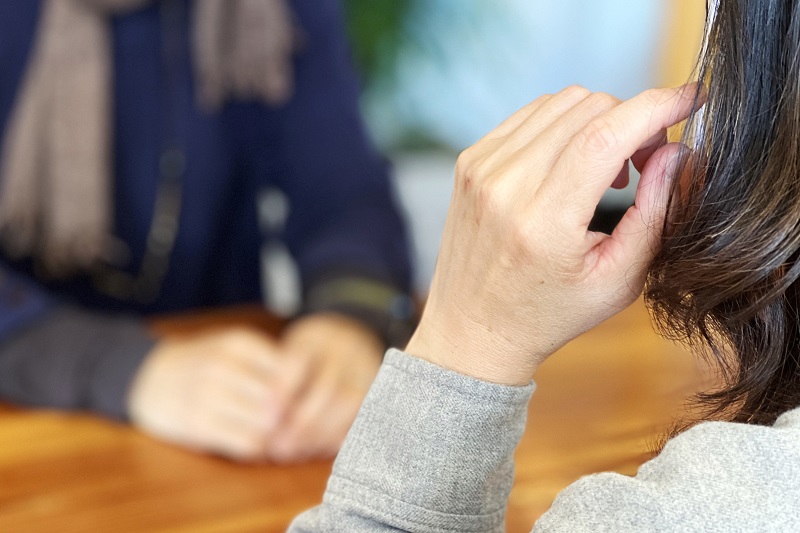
x,y
74,359
431,452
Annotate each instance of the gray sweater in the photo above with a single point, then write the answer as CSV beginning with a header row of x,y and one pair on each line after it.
x,y
432,451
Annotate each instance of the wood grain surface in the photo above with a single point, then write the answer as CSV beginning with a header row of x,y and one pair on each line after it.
x,y
601,404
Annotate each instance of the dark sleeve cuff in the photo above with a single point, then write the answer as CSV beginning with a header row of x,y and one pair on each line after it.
x,y
21,302
114,372
384,308
72,359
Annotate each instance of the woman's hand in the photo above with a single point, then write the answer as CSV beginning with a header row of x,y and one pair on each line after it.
x,y
519,273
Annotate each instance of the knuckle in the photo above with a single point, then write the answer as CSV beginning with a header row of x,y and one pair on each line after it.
x,y
599,136
603,101
542,99
464,160
651,97
464,171
471,171
576,92
490,198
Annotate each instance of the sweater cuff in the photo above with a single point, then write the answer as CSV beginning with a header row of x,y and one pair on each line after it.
x,y
430,446
21,303
128,343
72,359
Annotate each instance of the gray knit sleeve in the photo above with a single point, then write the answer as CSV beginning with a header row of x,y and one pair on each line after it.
x,y
430,451
74,359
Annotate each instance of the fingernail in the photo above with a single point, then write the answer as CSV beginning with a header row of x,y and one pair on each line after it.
x,y
671,167
675,163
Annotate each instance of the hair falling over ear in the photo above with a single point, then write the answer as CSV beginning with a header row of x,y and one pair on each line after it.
x,y
726,278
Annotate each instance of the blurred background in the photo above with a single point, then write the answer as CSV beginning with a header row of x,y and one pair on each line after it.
x,y
439,74
436,76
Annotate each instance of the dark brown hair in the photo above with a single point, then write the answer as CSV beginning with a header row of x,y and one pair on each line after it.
x,y
726,278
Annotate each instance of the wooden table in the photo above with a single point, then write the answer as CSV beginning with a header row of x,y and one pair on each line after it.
x,y
601,404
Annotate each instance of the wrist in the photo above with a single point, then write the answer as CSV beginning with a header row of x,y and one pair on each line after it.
x,y
484,359
380,306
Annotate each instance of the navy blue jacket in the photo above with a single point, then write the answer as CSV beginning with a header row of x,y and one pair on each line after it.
x,y
342,223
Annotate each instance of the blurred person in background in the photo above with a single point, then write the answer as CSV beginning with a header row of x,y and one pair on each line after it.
x,y
137,136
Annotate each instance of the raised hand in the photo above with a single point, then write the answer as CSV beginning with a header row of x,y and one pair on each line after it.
x,y
519,273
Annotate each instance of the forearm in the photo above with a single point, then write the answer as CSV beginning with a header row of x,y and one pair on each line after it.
x,y
431,450
73,359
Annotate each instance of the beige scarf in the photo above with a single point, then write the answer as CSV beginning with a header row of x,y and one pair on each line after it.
x,y
56,160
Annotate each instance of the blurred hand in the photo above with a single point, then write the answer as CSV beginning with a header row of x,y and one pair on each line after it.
x,y
238,393
519,273
338,360
211,392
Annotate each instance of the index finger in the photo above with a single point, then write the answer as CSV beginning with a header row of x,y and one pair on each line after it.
x,y
594,157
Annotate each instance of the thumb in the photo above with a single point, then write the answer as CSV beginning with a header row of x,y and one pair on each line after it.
x,y
637,237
